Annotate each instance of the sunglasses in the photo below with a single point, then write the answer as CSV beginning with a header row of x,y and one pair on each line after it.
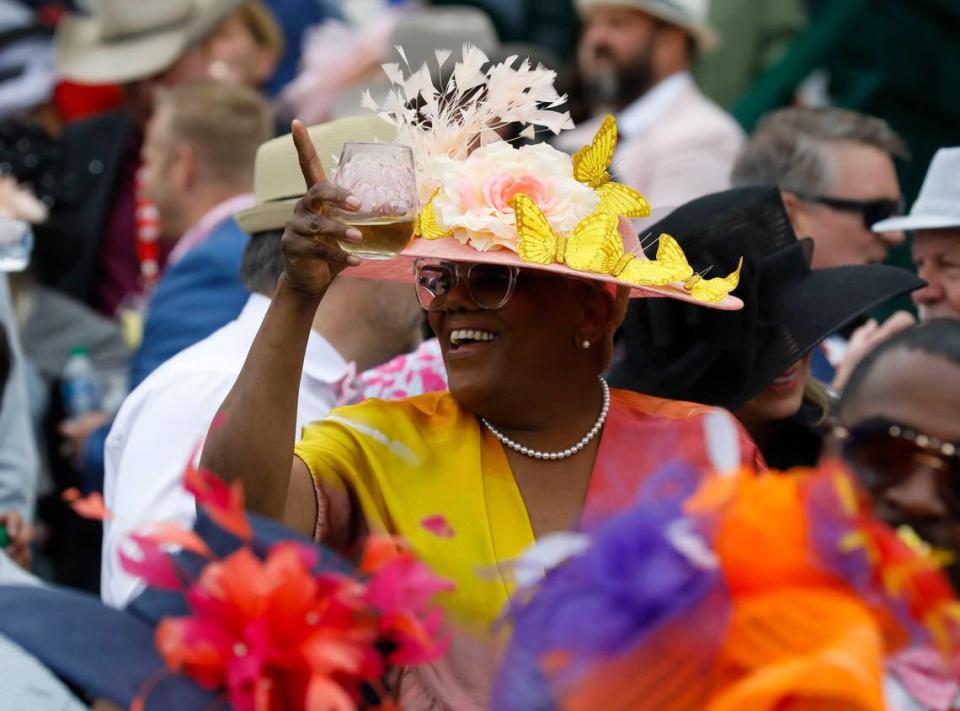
x,y
884,454
872,211
490,286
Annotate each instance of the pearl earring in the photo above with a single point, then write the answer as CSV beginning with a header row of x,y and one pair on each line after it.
x,y
585,345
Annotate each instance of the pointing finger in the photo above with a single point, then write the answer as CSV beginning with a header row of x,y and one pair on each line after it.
x,y
310,164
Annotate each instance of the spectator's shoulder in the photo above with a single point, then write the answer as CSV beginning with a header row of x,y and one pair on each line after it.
x,y
225,244
662,407
710,114
409,419
187,378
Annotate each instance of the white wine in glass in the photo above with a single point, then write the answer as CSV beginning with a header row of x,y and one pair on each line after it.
x,y
382,177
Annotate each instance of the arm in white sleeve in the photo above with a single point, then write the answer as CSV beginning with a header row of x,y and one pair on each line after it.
x,y
160,425
19,462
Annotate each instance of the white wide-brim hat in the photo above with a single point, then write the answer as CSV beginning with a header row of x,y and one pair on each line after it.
x,y
690,15
938,205
127,40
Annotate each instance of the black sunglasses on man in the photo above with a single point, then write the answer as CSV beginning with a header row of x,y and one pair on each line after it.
x,y
872,211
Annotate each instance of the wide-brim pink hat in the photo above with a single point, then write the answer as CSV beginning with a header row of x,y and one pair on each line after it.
x,y
484,199
400,268
481,199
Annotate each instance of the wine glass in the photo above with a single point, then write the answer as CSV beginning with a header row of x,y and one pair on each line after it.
x,y
382,177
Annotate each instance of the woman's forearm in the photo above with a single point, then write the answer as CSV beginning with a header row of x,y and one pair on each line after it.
x,y
252,440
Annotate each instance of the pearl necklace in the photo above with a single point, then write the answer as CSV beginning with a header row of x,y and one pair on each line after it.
x,y
569,451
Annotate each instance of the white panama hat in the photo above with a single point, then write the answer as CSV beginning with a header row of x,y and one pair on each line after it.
x,y
690,15
938,205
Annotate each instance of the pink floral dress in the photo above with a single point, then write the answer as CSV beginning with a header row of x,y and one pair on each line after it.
x,y
416,373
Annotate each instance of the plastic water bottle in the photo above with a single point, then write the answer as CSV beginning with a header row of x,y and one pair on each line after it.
x,y
16,244
81,389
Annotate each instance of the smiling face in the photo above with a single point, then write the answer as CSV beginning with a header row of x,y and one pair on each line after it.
x,y
502,362
780,400
919,391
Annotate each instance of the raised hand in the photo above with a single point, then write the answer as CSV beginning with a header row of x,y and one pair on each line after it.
x,y
311,241
865,339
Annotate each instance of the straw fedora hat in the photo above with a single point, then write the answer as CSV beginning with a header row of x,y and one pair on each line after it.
x,y
690,15
277,181
126,40
938,205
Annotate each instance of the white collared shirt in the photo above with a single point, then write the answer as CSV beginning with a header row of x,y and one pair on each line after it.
x,y
163,423
650,108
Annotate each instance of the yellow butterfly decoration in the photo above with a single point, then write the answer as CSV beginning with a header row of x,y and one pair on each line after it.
x,y
670,265
426,223
595,245
591,166
672,260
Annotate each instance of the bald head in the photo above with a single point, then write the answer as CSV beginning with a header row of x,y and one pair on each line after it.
x,y
913,379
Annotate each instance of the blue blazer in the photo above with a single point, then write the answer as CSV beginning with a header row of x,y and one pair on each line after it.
x,y
196,296
199,294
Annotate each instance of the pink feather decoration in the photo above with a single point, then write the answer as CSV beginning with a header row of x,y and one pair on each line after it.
x,y
154,567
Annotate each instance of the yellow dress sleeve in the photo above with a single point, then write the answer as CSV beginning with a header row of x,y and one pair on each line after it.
x,y
409,460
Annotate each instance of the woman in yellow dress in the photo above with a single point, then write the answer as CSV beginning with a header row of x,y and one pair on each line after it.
x,y
521,263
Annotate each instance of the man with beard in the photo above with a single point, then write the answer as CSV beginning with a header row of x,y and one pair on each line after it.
x,y
634,60
901,434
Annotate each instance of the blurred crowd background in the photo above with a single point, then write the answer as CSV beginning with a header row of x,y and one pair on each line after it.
x,y
131,261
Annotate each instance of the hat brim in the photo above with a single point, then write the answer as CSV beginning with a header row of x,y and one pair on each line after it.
x,y
400,269
853,291
704,34
272,215
83,58
109,653
917,222
812,308
275,215
60,627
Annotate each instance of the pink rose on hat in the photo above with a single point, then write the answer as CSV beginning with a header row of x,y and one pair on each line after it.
x,y
477,194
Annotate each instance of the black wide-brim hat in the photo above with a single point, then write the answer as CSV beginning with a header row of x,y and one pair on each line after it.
x,y
111,654
679,351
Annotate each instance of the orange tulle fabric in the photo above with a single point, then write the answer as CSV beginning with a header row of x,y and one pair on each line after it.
x,y
815,597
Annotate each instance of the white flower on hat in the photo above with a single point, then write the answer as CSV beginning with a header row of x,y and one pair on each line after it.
x,y
476,195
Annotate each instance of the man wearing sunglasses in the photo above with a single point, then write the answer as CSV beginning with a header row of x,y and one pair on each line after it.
x,y
900,432
835,169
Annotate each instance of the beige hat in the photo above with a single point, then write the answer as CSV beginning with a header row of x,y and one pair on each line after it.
x,y
127,40
690,15
277,181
